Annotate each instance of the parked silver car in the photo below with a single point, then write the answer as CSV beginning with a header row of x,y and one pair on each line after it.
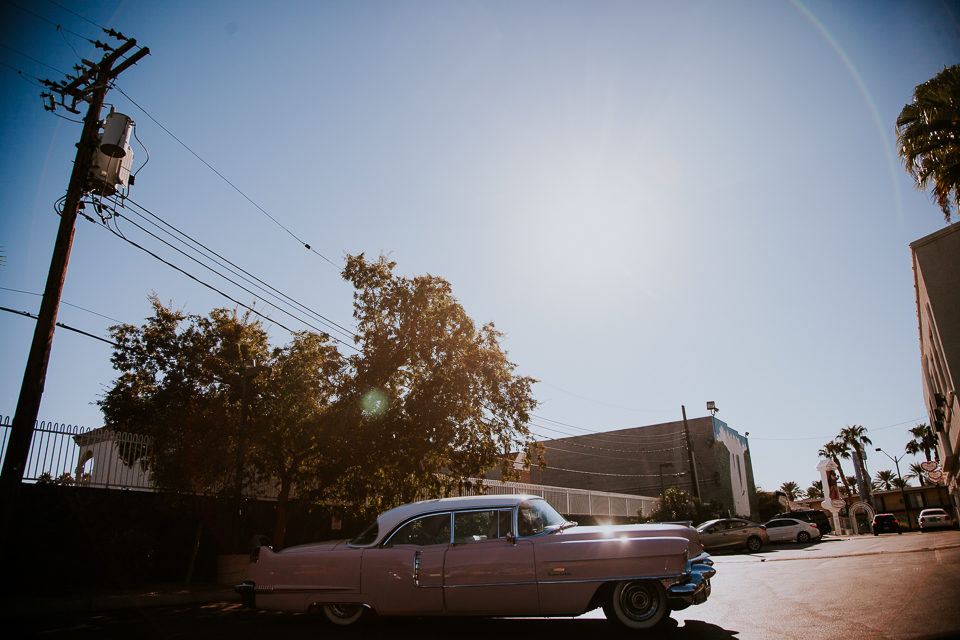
x,y
733,533
790,529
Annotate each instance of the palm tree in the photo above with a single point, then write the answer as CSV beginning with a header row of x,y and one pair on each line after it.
x,y
924,439
916,471
901,483
793,490
836,450
927,133
856,437
815,490
885,479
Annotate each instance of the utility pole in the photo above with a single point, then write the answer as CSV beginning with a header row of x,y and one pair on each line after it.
x,y
690,457
90,86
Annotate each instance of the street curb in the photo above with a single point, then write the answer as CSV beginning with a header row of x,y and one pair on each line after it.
x,y
17,607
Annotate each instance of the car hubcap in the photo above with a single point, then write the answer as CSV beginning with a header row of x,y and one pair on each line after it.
x,y
639,602
344,610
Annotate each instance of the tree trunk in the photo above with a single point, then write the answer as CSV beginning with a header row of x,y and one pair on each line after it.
x,y
843,478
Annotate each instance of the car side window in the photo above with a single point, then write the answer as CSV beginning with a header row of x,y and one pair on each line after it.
x,y
737,525
428,530
473,526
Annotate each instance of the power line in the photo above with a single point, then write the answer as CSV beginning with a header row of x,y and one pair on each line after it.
x,y
211,287
30,293
222,177
31,58
578,442
60,324
212,270
623,458
619,475
349,333
59,28
78,15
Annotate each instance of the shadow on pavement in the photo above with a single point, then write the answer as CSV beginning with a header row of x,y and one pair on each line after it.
x,y
230,621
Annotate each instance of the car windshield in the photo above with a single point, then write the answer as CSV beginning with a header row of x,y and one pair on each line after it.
x,y
934,512
369,535
536,516
706,524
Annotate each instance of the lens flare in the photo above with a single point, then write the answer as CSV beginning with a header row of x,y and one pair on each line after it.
x,y
374,403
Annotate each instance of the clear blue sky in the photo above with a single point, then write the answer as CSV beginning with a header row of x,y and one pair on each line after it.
x,y
659,203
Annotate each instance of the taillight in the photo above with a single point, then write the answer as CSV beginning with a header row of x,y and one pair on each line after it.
x,y
763,527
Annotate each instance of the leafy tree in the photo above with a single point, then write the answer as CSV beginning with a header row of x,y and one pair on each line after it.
x,y
928,130
884,479
768,505
180,383
297,443
676,506
924,439
431,399
815,490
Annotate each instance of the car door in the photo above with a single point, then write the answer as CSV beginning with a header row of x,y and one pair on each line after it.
x,y
405,574
483,571
776,529
737,533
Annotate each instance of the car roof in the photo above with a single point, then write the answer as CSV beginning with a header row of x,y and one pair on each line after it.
x,y
390,519
936,509
794,519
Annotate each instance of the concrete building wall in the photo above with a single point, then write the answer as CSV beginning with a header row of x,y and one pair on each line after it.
x,y
629,461
936,268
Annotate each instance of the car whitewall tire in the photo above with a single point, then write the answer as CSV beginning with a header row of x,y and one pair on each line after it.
x,y
344,614
637,604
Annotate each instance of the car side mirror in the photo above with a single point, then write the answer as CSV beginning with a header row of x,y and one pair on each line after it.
x,y
512,539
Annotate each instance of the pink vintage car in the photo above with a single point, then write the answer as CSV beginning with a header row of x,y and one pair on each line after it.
x,y
510,555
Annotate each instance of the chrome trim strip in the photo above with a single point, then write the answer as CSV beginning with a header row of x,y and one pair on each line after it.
x,y
416,568
612,579
268,589
490,584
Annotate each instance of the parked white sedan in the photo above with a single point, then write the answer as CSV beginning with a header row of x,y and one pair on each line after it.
x,y
789,529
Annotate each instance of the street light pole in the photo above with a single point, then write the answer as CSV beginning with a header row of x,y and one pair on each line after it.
x,y
896,461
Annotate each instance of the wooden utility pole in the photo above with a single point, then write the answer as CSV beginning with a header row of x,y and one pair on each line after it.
x,y
97,79
690,456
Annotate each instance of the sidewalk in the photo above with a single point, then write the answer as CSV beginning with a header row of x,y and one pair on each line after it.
x,y
114,599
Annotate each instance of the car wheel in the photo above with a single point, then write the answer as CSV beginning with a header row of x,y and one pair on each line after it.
x,y
803,536
344,614
637,604
754,544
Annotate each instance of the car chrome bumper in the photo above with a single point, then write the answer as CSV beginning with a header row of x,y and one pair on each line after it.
x,y
695,589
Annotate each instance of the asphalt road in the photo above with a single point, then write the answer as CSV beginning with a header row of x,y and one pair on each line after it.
x,y
889,587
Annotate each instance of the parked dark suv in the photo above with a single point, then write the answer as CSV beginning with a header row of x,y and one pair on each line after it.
x,y
815,517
